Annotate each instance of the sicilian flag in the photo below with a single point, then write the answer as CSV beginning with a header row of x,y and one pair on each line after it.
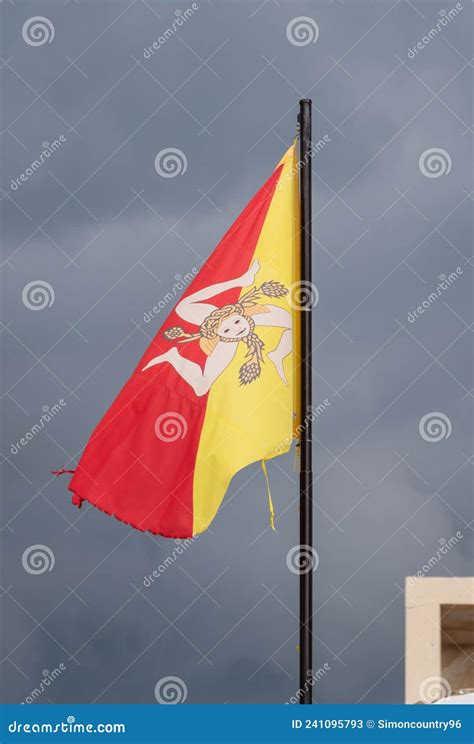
x,y
215,390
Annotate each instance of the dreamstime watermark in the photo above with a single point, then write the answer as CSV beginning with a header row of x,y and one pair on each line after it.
x,y
313,679
302,30
301,559
444,547
37,295
315,148
69,726
170,691
180,283
315,411
434,427
47,680
433,689
171,426
181,547
49,412
303,295
38,559
181,17
37,31
445,18
445,281
46,152
171,162
435,162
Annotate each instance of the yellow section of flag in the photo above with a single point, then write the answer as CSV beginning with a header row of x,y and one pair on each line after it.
x,y
245,423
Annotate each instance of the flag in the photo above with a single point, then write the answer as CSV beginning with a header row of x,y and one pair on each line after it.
x,y
215,389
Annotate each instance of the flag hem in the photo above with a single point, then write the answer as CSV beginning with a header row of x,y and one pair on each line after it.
x,y
80,498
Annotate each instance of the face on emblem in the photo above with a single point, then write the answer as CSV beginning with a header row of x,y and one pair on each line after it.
x,y
235,327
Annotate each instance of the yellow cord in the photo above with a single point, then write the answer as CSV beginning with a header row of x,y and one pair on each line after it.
x,y
270,502
297,460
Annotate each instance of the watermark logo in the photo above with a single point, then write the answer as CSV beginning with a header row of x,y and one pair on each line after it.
x,y
301,559
69,726
170,426
435,162
313,414
302,30
303,295
434,427
171,162
316,147
37,31
181,546
444,547
180,284
170,691
38,559
433,689
37,295
445,17
48,148
181,16
313,678
49,412
47,680
444,283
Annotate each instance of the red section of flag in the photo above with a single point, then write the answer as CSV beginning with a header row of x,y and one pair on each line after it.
x,y
139,462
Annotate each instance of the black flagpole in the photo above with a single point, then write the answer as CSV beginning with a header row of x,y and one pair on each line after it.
x,y
306,474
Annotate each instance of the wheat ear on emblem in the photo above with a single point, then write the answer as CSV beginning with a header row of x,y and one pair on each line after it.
x,y
251,369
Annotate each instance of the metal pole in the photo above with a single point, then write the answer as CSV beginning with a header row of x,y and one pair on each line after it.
x,y
306,475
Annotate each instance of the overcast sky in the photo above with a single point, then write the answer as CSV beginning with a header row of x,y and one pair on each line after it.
x,y
108,236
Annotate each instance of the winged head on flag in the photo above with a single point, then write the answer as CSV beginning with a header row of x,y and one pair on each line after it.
x,y
215,390
221,329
